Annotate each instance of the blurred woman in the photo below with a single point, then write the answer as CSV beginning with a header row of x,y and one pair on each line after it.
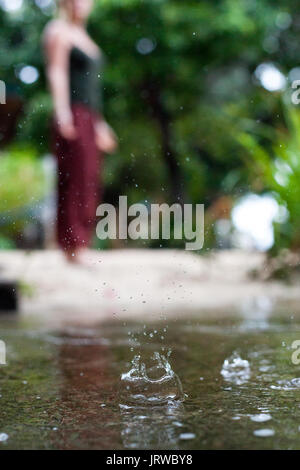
x,y
81,135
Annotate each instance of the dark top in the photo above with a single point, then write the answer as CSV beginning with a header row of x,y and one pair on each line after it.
x,y
85,79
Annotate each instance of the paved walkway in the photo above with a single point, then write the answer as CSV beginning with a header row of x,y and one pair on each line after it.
x,y
147,284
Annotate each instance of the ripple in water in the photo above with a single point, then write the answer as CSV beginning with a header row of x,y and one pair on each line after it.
x,y
236,370
292,384
154,385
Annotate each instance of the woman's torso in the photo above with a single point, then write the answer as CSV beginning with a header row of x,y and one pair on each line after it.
x,y
85,74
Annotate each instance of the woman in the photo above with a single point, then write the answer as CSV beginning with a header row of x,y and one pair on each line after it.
x,y
80,133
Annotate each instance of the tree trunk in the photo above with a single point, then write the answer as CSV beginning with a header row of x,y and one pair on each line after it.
x,y
152,96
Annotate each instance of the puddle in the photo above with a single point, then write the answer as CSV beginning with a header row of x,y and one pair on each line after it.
x,y
117,386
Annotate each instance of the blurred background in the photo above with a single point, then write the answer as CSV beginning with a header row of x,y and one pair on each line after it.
x,y
199,93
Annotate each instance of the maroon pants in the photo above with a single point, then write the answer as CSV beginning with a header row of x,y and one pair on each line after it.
x,y
78,181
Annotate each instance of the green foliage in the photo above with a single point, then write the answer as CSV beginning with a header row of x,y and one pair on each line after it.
x,y
22,186
275,164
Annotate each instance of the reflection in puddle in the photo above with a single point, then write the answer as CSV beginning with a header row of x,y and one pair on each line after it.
x,y
155,427
256,312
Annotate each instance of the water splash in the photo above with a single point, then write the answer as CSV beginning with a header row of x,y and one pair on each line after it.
x,y
236,370
157,384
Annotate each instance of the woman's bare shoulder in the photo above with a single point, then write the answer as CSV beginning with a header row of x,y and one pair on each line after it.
x,y
56,31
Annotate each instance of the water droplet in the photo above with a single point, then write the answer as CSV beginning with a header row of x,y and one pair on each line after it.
x,y
187,435
177,423
260,418
264,432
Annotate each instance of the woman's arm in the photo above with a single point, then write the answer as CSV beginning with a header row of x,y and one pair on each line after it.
x,y
57,49
106,139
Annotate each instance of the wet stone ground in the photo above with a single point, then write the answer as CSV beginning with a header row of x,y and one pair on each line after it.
x,y
227,383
